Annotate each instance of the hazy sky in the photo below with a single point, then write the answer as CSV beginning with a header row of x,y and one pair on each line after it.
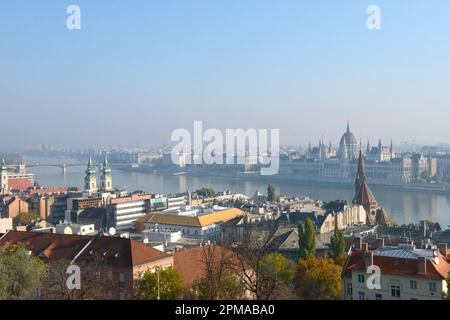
x,y
137,70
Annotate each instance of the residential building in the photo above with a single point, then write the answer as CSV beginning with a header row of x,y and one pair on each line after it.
x,y
406,273
6,224
12,206
191,263
124,258
95,216
176,202
123,212
203,227
75,228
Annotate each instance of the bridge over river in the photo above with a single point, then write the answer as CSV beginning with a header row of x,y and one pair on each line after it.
x,y
64,166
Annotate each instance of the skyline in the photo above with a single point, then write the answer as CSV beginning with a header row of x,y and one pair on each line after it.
x,y
132,75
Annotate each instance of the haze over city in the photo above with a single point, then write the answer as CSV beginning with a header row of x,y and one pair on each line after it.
x,y
134,73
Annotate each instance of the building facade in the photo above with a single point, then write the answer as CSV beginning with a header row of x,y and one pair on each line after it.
x,y
406,273
382,165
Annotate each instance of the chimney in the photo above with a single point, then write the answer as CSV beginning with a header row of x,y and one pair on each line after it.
x,y
368,258
421,265
443,249
357,241
378,243
364,247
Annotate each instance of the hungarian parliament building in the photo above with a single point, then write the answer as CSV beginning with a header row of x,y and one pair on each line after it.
x,y
324,163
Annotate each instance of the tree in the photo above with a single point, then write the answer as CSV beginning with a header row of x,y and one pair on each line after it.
x,y
228,287
446,295
307,239
318,279
93,280
20,273
337,246
271,193
25,218
170,284
277,273
206,192
260,272
219,282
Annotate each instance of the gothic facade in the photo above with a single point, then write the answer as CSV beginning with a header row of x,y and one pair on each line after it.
x,y
322,163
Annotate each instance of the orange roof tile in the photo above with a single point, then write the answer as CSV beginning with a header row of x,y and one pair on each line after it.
x,y
196,221
399,266
19,184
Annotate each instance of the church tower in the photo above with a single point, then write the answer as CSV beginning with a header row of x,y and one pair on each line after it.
x,y
90,180
364,197
4,178
106,177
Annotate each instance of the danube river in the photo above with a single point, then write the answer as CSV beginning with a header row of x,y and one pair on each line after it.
x,y
404,207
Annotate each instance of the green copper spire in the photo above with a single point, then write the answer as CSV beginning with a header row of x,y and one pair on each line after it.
x,y
3,166
90,168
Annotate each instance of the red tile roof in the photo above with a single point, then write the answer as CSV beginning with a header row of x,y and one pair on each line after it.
x,y
46,191
399,266
190,262
133,197
118,252
19,184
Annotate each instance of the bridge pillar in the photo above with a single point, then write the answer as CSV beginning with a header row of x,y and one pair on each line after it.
x,y
64,169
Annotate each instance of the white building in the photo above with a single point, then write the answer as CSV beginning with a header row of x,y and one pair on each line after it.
x,y
158,235
176,202
406,273
123,215
6,224
74,228
204,227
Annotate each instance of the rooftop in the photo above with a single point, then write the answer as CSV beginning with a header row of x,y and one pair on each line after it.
x,y
118,252
195,221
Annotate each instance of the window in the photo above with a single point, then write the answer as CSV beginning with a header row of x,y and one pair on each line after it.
x,y
378,297
349,289
413,284
360,278
362,295
121,280
432,286
395,291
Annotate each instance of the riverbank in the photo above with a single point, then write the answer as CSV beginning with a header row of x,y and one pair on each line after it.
x,y
439,189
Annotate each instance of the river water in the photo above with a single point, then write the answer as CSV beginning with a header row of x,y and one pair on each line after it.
x,y
404,207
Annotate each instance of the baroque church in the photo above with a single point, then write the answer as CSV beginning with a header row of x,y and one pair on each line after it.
x,y
90,179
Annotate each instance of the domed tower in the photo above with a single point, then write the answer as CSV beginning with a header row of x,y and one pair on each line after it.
x,y
4,187
348,146
90,180
106,177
